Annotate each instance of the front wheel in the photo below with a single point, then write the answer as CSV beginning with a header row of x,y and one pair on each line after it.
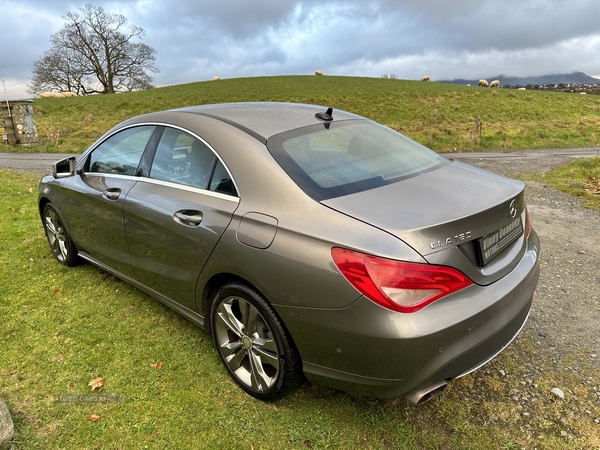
x,y
62,246
253,344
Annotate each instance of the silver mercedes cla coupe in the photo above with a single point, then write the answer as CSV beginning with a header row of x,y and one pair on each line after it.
x,y
310,243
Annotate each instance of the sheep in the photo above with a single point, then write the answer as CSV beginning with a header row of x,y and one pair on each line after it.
x,y
51,94
57,94
318,72
495,84
216,78
469,84
425,78
521,89
483,83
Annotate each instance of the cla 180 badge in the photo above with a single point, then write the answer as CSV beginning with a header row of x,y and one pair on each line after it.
x,y
449,240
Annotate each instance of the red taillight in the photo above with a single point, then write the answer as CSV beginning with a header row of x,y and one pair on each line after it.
x,y
397,285
527,223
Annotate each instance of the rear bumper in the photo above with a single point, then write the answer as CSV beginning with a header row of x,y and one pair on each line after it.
x,y
369,350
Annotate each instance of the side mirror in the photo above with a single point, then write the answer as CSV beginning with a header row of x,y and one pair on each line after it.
x,y
64,168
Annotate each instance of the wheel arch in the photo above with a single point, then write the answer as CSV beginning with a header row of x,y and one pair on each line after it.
x,y
212,286
42,202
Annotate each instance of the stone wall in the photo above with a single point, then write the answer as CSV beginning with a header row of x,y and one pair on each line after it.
x,y
18,123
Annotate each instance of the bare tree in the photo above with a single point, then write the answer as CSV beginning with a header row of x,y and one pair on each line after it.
x,y
93,53
59,69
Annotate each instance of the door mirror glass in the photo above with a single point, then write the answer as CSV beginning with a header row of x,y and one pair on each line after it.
x,y
64,168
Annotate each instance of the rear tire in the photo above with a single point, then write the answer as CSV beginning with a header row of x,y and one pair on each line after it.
x,y
62,246
253,343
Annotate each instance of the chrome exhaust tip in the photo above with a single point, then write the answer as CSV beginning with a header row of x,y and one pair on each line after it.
x,y
420,396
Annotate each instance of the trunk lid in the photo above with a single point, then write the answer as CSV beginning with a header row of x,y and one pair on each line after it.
x,y
457,215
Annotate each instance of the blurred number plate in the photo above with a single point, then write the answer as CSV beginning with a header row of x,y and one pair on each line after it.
x,y
492,244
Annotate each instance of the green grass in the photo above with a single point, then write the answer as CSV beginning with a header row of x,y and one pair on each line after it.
x,y
580,178
438,115
62,327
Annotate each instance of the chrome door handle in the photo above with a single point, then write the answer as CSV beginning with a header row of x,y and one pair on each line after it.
x,y
188,217
111,194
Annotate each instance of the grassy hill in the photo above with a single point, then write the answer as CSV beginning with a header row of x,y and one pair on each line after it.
x,y
439,115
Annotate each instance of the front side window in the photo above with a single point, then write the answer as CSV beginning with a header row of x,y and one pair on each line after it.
x,y
121,153
342,158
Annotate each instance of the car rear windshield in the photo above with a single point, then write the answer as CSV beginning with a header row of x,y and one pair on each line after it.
x,y
340,158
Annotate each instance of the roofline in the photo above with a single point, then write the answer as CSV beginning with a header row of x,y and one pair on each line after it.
x,y
239,126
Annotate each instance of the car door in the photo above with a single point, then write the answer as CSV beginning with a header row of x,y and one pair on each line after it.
x,y
175,217
93,199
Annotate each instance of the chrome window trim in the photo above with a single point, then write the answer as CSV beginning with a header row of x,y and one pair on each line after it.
x,y
170,184
111,175
85,154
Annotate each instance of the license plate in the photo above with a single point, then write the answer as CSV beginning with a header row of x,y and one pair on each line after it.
x,y
491,245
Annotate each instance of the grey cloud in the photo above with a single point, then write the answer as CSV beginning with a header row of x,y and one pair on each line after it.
x,y
459,39
506,24
238,19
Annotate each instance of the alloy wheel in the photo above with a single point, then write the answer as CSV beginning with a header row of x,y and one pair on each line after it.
x,y
247,344
56,235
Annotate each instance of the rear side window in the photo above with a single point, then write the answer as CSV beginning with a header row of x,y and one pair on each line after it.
x,y
342,158
181,158
184,159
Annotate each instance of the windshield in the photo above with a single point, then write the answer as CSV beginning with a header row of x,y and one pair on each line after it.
x,y
341,158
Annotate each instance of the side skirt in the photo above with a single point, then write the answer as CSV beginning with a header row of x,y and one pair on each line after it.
x,y
180,309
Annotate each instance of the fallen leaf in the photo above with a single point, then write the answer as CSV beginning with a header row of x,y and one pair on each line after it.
x,y
592,185
156,366
72,385
31,259
56,291
61,357
97,383
94,417
30,190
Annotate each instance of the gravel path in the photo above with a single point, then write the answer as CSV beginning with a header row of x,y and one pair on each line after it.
x,y
553,380
567,300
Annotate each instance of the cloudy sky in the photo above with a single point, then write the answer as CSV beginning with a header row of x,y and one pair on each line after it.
x,y
446,39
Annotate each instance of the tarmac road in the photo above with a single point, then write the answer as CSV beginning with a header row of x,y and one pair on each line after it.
x,y
30,162
548,159
511,163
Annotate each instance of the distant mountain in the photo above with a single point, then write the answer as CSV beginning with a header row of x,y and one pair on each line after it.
x,y
566,78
